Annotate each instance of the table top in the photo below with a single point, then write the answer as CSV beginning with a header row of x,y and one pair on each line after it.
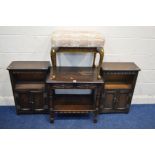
x,y
74,75
29,65
120,66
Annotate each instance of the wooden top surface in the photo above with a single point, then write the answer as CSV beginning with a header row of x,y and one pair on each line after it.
x,y
29,65
80,74
120,66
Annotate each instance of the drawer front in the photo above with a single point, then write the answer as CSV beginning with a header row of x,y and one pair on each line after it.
x,y
73,86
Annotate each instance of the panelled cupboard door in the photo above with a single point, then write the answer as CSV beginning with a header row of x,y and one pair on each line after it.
x,y
108,99
115,100
123,99
31,101
39,101
23,101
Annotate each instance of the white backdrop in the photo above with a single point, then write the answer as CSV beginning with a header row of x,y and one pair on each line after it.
x,y
131,44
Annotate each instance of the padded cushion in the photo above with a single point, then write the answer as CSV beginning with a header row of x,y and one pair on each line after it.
x,y
77,39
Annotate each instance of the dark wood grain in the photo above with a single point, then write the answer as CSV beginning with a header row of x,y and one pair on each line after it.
x,y
69,74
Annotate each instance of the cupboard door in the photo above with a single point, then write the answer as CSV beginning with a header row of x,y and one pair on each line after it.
x,y
123,100
39,100
115,101
23,101
108,99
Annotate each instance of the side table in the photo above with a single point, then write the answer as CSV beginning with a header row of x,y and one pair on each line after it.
x,y
74,78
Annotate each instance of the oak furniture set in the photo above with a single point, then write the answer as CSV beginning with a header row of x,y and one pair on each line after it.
x,y
34,83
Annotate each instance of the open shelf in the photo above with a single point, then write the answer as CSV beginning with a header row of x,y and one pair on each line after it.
x,y
73,103
114,85
29,86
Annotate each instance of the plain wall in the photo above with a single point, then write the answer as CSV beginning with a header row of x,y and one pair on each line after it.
x,y
123,44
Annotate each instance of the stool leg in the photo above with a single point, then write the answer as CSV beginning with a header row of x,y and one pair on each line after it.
x,y
53,59
101,52
94,59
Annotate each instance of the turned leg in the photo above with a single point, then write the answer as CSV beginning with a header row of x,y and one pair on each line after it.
x,y
52,117
94,59
51,106
97,101
95,110
101,52
53,59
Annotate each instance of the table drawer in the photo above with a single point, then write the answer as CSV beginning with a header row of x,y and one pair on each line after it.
x,y
73,86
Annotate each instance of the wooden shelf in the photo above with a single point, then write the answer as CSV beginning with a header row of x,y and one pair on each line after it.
x,y
29,86
73,103
117,86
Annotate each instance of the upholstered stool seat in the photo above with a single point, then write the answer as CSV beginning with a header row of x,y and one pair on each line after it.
x,y
77,41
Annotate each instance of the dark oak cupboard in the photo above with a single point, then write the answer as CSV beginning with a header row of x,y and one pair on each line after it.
x,y
119,83
28,85
34,91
